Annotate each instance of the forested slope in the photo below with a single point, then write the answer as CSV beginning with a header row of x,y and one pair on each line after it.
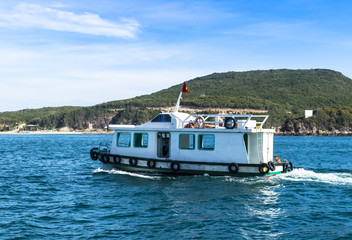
x,y
284,89
284,93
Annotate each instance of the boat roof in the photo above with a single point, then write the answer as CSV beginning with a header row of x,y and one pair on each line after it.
x,y
178,121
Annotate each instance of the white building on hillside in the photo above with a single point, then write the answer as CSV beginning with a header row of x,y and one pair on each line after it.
x,y
308,113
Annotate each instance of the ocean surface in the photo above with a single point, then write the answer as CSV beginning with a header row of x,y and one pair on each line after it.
x,y
51,189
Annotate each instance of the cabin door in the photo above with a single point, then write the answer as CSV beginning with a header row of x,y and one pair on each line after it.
x,y
163,145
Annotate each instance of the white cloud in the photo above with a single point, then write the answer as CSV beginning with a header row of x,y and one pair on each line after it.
x,y
35,16
92,88
88,74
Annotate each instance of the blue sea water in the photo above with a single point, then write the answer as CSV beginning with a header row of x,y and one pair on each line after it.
x,y
51,189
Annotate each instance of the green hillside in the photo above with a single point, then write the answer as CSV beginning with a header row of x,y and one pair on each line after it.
x,y
283,93
290,90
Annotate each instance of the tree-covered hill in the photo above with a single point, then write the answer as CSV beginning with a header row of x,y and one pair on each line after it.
x,y
289,90
283,93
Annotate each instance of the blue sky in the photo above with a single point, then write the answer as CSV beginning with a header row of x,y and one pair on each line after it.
x,y
81,53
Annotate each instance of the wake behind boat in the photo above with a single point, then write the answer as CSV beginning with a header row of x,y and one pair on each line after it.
x,y
181,143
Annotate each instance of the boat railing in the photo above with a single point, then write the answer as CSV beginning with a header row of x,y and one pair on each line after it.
x,y
218,121
260,123
104,146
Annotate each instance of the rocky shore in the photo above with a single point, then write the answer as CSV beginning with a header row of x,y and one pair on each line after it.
x,y
317,133
303,128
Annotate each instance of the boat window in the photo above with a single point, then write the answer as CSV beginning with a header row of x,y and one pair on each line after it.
x,y
186,141
206,141
162,118
123,139
140,140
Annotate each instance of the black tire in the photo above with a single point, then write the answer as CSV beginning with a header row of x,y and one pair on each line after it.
x,y
151,163
284,167
175,166
104,158
94,154
117,159
133,162
263,168
233,168
290,169
230,123
271,166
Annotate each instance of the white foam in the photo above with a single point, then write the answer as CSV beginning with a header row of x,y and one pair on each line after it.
x,y
245,180
114,171
300,174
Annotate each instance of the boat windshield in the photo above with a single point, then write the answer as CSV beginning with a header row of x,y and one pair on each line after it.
x,y
162,118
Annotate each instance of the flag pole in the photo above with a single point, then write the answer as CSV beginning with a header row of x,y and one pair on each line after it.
x,y
184,89
178,102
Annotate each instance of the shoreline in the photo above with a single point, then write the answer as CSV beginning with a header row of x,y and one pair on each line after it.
x,y
325,134
52,133
308,134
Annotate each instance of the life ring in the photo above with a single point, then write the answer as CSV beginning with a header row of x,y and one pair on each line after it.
x,y
233,168
271,166
151,163
117,159
133,162
199,122
175,166
290,169
94,154
284,167
230,123
264,168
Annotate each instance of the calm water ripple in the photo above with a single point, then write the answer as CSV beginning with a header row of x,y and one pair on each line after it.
x,y
50,189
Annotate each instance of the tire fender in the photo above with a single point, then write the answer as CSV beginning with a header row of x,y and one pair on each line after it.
x,y
151,163
117,159
233,168
133,162
263,168
175,166
271,166
94,153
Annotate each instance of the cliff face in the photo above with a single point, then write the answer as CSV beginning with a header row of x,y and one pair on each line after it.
x,y
326,121
303,129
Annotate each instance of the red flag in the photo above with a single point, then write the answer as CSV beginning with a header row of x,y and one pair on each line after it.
x,y
185,89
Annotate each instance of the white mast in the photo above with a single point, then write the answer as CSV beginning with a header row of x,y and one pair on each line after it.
x,y
184,89
178,102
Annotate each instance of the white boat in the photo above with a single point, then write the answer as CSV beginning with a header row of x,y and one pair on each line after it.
x,y
183,144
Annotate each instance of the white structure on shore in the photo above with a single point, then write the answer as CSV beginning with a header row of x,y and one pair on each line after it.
x,y
308,113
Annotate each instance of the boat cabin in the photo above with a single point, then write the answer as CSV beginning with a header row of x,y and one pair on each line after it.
x,y
197,138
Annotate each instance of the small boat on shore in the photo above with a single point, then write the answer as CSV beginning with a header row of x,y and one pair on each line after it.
x,y
176,143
